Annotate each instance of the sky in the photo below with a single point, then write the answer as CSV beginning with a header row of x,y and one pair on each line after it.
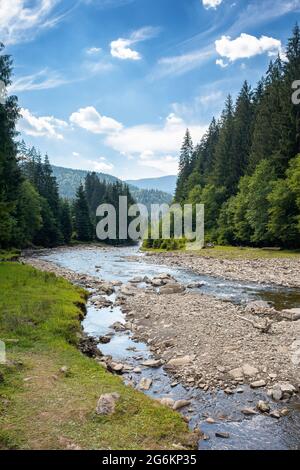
x,y
112,85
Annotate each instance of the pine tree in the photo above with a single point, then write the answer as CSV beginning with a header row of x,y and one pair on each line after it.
x,y
10,177
185,168
83,224
66,221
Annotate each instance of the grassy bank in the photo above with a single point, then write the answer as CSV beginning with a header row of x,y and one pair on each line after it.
x,y
232,252
42,408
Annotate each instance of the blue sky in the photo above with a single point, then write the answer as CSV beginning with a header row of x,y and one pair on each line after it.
x,y
111,85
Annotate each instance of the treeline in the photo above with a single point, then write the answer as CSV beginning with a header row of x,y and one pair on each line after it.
x,y
246,169
31,211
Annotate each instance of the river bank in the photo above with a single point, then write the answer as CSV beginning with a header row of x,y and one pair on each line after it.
x,y
205,352
54,397
276,270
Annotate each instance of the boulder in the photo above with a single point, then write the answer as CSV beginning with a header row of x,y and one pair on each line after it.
x,y
172,288
107,404
180,361
236,373
248,411
258,384
181,404
145,383
106,288
151,363
292,314
118,326
249,371
263,406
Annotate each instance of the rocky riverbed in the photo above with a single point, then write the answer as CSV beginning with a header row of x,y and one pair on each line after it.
x,y
280,271
248,352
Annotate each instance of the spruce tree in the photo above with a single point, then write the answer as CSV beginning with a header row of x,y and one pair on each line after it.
x,y
185,168
83,224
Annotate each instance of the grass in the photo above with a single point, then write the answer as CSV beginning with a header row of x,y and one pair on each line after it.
x,y
232,252
9,255
42,408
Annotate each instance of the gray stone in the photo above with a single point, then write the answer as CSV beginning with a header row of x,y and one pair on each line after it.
x,y
258,384
145,383
167,402
263,406
181,404
180,361
107,404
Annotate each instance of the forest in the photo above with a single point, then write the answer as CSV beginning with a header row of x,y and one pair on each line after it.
x,y
31,211
246,168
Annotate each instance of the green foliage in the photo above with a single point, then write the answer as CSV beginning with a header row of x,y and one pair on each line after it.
x,y
83,224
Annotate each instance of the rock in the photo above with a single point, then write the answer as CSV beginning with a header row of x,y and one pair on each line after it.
x,y
287,388
107,288
258,384
263,406
107,404
115,367
145,383
210,420
236,373
284,412
249,371
65,370
167,402
195,285
172,289
104,339
258,306
136,280
158,282
88,346
275,414
248,411
228,391
128,290
239,390
181,404
118,326
276,393
180,361
292,314
137,370
223,435
151,363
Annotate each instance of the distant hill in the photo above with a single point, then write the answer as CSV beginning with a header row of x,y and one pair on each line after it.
x,y
166,184
69,179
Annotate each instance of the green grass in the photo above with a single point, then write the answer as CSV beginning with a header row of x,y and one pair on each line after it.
x,y
9,255
41,408
232,252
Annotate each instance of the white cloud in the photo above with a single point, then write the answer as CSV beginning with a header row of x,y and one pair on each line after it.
x,y
22,20
153,145
211,3
100,165
246,46
76,154
43,126
88,118
93,50
179,64
221,63
121,47
43,80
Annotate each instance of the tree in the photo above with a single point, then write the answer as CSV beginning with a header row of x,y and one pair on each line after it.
x,y
10,176
83,224
28,215
66,221
185,168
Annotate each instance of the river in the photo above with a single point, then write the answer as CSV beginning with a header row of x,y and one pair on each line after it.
x,y
254,432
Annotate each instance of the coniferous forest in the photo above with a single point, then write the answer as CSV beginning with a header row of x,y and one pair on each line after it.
x,y
31,211
246,169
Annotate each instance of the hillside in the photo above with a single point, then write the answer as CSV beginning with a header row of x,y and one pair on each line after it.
x,y
69,179
166,184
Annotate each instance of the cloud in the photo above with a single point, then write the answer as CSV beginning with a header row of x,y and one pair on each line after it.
x,y
100,165
246,46
121,47
93,50
88,118
43,126
221,63
43,80
155,146
179,64
211,3
21,20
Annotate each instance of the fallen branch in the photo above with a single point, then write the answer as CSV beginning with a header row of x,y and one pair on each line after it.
x,y
263,328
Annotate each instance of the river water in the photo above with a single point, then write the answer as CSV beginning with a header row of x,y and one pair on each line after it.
x,y
122,264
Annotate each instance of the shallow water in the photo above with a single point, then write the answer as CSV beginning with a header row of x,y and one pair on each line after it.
x,y
255,432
